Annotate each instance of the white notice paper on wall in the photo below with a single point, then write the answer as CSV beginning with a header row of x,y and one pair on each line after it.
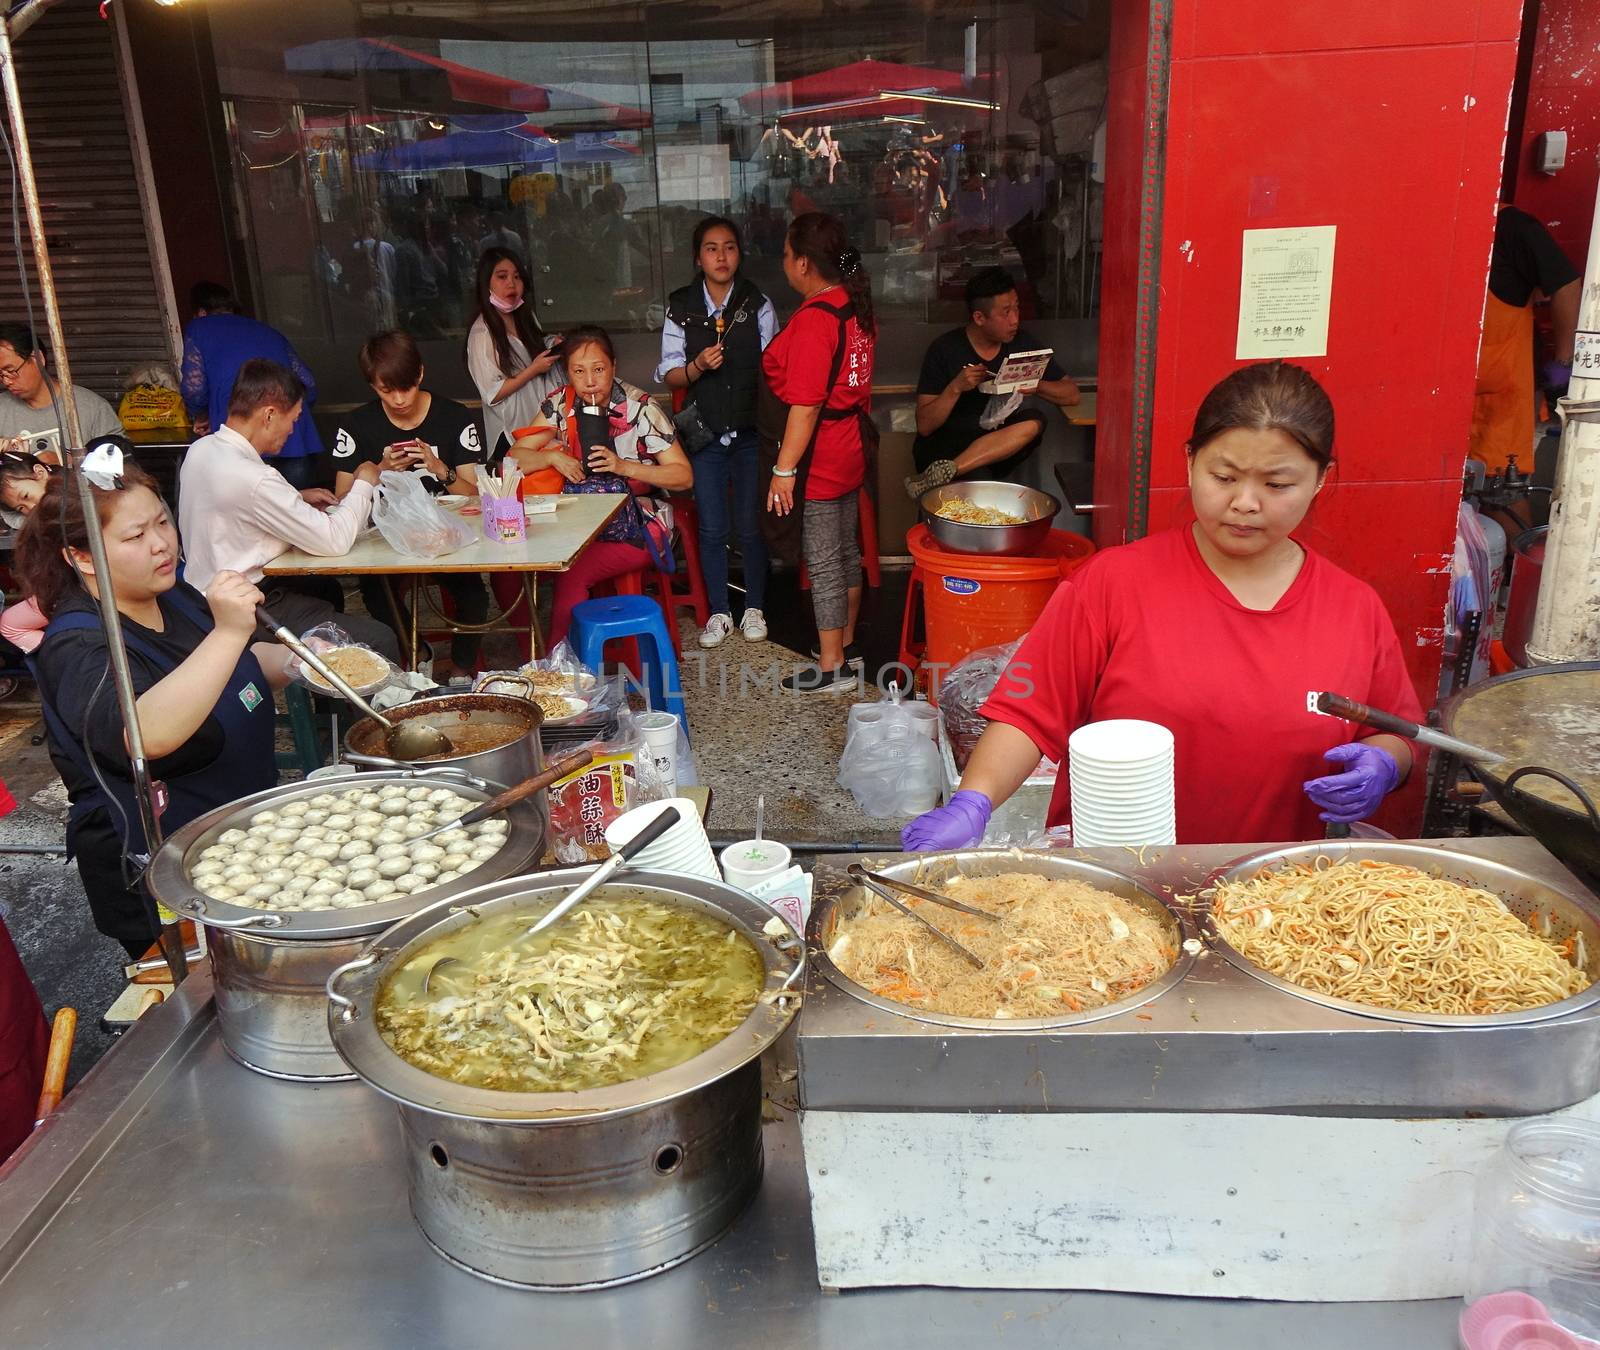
x,y
693,173
1285,288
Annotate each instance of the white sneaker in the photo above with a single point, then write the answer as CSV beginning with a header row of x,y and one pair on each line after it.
x,y
753,626
716,631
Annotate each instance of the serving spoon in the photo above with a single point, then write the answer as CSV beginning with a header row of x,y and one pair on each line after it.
x,y
407,739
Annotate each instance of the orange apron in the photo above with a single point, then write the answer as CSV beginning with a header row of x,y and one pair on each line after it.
x,y
1505,409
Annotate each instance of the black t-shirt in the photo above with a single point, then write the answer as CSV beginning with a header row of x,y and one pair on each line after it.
x,y
1525,258
945,357
70,666
451,429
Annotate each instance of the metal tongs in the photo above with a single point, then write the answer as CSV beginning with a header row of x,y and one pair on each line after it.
x,y
880,886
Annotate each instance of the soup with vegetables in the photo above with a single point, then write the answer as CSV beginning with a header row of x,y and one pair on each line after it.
x,y
622,987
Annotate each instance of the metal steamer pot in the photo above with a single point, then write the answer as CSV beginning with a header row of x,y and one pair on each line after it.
x,y
269,969
517,759
932,870
575,1190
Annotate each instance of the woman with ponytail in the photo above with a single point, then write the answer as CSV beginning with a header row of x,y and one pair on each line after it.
x,y
817,412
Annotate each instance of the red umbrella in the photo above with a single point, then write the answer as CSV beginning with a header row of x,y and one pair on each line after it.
x,y
867,89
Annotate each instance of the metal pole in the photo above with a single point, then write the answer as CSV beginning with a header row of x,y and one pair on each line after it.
x,y
169,935
1566,619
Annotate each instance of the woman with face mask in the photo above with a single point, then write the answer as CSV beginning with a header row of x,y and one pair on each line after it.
x,y
506,351
711,343
1217,630
604,435
204,684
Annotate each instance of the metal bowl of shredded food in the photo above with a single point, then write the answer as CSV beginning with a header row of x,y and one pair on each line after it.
x,y
988,517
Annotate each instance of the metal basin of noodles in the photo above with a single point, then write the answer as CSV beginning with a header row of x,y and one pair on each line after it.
x,y
934,870
1572,911
1033,509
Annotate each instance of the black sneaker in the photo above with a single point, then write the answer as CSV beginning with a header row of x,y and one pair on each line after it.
x,y
852,654
815,680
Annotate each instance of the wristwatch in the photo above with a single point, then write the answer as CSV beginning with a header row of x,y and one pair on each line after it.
x,y
451,477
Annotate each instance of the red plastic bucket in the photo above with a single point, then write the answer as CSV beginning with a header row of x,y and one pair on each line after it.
x,y
972,600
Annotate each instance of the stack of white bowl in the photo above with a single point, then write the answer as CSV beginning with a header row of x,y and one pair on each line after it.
x,y
1122,784
683,848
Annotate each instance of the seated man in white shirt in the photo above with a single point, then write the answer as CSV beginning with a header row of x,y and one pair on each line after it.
x,y
235,513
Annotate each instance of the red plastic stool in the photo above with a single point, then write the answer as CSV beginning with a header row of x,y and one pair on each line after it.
x,y
692,595
911,649
866,539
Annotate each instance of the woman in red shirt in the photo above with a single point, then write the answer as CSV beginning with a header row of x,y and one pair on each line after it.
x,y
820,365
1217,630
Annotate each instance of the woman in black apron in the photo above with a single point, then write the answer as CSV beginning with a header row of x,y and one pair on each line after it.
x,y
204,690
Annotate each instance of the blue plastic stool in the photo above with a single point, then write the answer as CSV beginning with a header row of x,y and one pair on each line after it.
x,y
597,622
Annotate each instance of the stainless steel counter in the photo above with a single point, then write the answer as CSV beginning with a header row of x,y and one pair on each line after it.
x,y
181,1201
1218,1040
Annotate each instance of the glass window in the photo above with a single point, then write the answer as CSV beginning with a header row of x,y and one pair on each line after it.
x,y
373,164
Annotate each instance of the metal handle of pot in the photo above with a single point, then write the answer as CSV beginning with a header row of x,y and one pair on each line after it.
x,y
374,761
1533,769
347,1006
480,685
454,774
196,909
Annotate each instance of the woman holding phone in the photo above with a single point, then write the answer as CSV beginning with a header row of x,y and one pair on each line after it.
x,y
604,435
508,356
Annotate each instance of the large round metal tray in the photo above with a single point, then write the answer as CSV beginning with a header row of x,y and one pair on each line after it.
x,y
932,869
1572,910
169,870
353,990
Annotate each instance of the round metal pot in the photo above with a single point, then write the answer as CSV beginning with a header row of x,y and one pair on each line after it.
x,y
366,741
1570,912
1037,509
575,1190
269,969
930,869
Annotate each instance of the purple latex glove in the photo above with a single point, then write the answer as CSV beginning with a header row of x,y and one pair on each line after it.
x,y
959,822
1556,374
1370,775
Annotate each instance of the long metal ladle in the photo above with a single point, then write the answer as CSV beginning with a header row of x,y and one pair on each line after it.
x,y
588,886
408,739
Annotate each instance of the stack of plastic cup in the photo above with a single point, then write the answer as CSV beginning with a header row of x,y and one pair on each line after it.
x,y
683,848
1122,784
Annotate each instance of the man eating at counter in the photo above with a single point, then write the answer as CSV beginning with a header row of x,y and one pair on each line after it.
x,y
236,514
962,430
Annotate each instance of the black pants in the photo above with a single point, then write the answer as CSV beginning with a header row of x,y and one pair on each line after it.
x,y
118,909
948,442
466,589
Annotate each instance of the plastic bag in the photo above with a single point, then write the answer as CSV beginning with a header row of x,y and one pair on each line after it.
x,y
328,637
621,776
965,688
412,522
890,764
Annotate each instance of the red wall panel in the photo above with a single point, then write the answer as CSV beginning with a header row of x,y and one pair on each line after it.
x,y
1564,95
1386,120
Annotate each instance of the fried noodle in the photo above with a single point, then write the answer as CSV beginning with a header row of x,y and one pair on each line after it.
x,y
1395,937
968,513
1059,947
